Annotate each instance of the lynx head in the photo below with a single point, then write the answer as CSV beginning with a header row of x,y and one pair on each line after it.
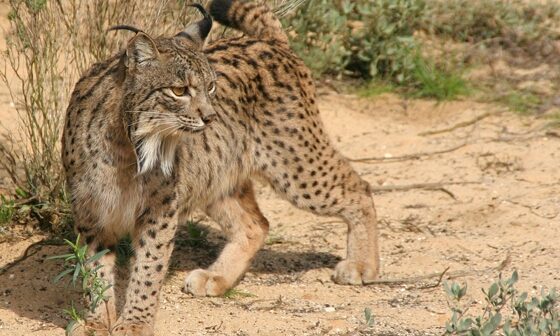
x,y
167,89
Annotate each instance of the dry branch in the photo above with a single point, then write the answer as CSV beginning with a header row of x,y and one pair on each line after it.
x,y
532,210
459,125
412,156
439,186
440,275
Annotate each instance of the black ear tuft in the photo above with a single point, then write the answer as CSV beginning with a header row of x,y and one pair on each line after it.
x,y
204,25
219,10
198,31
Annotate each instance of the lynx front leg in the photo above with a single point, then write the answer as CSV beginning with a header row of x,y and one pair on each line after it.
x,y
103,316
246,227
153,244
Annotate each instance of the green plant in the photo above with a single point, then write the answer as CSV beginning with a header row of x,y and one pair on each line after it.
x,y
520,101
431,81
75,317
7,209
374,88
368,315
370,39
554,119
196,234
81,268
318,32
513,24
234,293
383,44
506,312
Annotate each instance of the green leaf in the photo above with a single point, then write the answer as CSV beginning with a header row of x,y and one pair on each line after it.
x,y
62,256
491,325
62,274
75,276
97,256
514,278
70,326
21,193
493,290
465,324
369,316
82,251
463,291
71,244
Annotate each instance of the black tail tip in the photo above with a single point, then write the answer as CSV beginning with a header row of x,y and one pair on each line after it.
x,y
219,10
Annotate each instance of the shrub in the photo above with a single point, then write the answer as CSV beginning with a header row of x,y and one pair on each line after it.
x,y
82,270
507,311
365,38
514,24
318,31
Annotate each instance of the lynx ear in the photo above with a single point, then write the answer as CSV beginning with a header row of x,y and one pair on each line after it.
x,y
198,31
140,50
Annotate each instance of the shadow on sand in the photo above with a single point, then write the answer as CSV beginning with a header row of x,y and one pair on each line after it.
x,y
28,290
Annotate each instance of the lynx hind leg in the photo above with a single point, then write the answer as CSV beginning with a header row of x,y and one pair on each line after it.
x,y
246,228
313,176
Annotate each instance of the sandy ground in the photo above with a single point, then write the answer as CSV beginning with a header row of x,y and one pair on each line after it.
x,y
501,200
511,209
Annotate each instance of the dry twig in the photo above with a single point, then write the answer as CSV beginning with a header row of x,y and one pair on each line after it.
x,y
412,156
440,275
459,125
532,210
439,186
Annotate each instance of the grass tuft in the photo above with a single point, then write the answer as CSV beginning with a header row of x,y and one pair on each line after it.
x,y
7,209
234,293
433,82
375,88
521,102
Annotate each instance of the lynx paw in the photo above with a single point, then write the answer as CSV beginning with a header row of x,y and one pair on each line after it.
x,y
89,328
132,329
349,272
205,283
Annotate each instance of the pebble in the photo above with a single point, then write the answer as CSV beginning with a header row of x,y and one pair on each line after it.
x,y
329,309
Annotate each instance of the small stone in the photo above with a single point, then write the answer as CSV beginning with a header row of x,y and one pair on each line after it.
x,y
329,309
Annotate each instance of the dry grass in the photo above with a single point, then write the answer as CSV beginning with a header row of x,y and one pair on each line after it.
x,y
49,45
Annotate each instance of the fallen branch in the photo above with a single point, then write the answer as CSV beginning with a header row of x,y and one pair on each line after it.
x,y
432,185
413,156
422,186
440,275
459,125
532,210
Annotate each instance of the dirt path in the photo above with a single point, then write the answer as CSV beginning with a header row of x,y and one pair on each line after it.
x,y
512,208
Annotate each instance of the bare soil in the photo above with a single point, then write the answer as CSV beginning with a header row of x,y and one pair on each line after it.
x,y
509,209
499,201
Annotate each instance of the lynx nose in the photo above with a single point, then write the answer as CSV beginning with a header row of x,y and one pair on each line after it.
x,y
209,118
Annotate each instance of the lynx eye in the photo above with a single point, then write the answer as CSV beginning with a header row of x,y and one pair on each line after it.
x,y
179,91
212,88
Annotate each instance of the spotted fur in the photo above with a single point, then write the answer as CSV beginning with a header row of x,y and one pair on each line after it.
x,y
266,125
